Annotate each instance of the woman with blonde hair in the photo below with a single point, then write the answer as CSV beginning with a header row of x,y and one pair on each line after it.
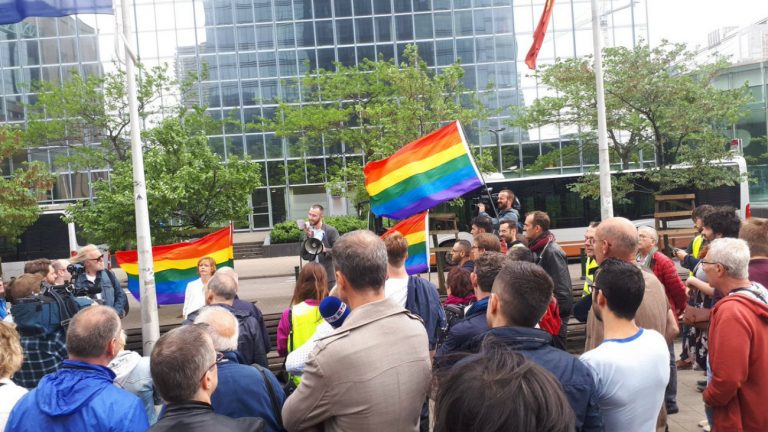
x,y
10,362
194,295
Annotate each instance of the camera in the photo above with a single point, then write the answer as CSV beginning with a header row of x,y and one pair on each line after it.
x,y
75,270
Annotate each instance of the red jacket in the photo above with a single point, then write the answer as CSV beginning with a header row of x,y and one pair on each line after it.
x,y
738,347
665,270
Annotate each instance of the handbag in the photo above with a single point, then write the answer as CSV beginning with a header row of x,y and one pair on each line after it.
x,y
697,317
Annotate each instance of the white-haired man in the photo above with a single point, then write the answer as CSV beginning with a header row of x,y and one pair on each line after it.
x,y
243,391
738,340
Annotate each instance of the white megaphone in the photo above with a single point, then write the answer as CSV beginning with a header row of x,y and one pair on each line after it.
x,y
311,248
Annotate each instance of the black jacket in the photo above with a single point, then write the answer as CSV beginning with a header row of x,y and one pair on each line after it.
x,y
192,416
575,377
553,260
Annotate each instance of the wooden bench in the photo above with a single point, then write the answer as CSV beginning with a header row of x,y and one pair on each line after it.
x,y
576,333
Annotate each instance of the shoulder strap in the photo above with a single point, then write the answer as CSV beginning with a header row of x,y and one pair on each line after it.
x,y
272,396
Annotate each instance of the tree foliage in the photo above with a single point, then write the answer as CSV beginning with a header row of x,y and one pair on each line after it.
x,y
373,108
90,114
658,101
19,192
188,186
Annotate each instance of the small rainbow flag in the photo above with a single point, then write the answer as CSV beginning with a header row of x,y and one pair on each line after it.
x,y
414,229
433,169
176,264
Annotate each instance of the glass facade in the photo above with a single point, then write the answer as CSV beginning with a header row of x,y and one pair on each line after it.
x,y
255,52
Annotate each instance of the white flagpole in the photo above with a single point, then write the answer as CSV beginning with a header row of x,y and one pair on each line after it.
x,y
606,196
150,328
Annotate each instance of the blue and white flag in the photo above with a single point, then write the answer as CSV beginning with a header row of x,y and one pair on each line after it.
x,y
13,11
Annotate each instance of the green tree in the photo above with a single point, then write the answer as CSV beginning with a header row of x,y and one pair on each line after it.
x,y
373,108
89,114
658,101
20,191
188,186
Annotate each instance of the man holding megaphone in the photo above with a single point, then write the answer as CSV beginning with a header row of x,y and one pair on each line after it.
x,y
312,250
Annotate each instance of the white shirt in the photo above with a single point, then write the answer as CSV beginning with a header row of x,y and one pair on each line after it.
x,y
397,290
297,359
194,297
10,393
630,375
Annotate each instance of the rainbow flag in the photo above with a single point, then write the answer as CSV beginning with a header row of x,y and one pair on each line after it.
x,y
176,264
414,229
433,169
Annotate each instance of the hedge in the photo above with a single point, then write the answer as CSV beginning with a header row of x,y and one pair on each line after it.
x,y
289,232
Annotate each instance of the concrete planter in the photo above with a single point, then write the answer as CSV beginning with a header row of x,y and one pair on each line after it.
x,y
281,249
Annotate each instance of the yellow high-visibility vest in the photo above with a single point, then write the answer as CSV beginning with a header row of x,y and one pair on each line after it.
x,y
304,322
590,274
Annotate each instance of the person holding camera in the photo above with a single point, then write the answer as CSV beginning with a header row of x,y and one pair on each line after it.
x,y
504,202
95,278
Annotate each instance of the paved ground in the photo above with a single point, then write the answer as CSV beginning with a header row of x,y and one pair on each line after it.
x,y
270,282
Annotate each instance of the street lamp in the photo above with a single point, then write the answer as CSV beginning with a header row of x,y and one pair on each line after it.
x,y
498,145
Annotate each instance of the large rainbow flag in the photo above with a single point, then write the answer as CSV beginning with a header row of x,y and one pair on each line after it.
x,y
176,264
433,169
414,229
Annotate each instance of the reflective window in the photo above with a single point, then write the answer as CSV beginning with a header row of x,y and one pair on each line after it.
x,y
388,51
443,24
322,9
347,56
227,66
283,10
503,22
287,63
363,7
404,26
285,37
250,94
302,9
325,58
486,74
381,7
423,25
444,52
383,29
506,49
305,34
269,90
307,61
365,52
483,22
465,50
225,38
364,30
243,11
484,49
402,5
230,94
324,32
265,38
267,64
345,35
462,21
343,8
246,38
421,5
262,10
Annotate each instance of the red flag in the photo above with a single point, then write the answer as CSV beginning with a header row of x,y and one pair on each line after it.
x,y
538,34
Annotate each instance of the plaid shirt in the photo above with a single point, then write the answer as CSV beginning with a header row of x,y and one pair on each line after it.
x,y
42,355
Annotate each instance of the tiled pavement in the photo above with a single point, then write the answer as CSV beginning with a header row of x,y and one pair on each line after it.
x,y
688,400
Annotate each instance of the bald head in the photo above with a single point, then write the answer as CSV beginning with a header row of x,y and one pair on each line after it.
x,y
222,327
228,271
616,237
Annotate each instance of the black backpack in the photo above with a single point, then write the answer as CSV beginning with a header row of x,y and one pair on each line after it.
x,y
453,314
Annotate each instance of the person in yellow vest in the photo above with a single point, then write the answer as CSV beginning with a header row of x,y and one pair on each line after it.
x,y
690,256
589,251
299,321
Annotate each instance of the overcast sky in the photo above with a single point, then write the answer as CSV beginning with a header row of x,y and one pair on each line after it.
x,y
690,21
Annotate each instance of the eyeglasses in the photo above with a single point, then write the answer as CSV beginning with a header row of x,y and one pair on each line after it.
x,y
589,240
713,262
219,359
98,258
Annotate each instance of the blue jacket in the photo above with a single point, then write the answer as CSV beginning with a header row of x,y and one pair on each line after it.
x,y
460,336
78,397
424,301
111,292
242,392
573,375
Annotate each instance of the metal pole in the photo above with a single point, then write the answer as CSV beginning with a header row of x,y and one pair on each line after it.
x,y
606,197
150,328
498,145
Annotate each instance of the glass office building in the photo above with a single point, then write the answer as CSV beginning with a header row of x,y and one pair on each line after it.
x,y
256,51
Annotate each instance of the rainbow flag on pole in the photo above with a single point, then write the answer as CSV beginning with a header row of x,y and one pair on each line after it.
x,y
176,264
414,229
433,169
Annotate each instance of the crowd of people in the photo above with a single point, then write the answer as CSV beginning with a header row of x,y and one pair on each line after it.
x,y
377,349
